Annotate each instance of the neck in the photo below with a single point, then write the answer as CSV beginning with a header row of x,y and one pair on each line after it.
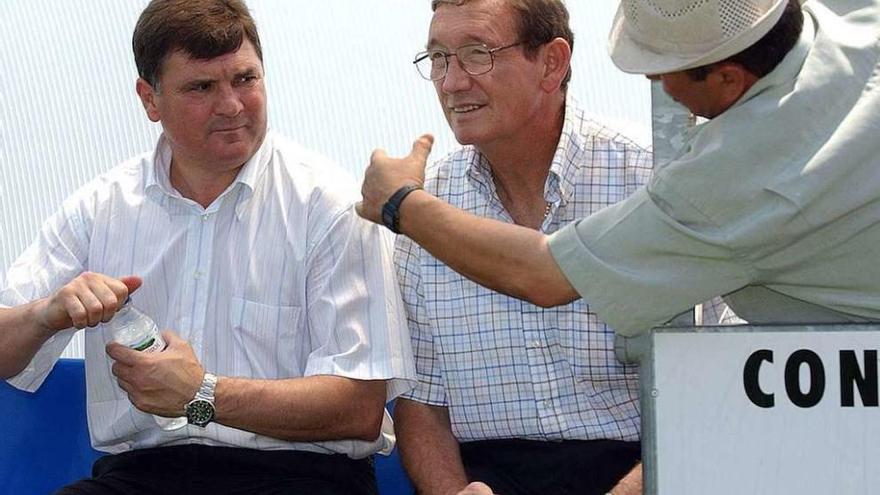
x,y
520,169
200,185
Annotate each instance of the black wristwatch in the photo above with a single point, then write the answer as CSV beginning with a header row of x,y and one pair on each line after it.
x,y
200,410
391,208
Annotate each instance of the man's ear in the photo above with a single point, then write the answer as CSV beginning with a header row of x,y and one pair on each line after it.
x,y
147,95
557,61
731,80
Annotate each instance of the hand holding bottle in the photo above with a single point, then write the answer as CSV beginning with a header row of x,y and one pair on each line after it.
x,y
86,301
160,383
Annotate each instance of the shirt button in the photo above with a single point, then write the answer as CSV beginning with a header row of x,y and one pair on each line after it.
x,y
535,344
205,217
197,274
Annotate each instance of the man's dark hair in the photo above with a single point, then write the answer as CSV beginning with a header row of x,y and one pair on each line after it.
x,y
202,29
538,22
761,58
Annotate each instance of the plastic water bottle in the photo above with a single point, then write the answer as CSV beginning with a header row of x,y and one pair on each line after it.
x,y
135,330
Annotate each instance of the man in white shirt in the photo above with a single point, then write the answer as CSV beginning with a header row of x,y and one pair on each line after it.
x,y
285,320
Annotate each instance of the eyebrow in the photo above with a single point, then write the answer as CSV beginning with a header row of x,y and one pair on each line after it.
x,y
250,71
432,43
198,81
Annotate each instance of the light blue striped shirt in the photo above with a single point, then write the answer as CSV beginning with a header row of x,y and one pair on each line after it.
x,y
503,367
277,278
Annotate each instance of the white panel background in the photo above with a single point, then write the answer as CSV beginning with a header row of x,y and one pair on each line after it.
x,y
712,439
339,77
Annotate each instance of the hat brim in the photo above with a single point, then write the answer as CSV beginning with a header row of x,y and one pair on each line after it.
x,y
633,57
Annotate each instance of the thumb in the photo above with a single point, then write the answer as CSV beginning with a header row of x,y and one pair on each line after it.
x,y
422,147
132,282
377,155
172,339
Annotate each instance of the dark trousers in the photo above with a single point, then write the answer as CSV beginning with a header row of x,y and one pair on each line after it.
x,y
198,469
525,467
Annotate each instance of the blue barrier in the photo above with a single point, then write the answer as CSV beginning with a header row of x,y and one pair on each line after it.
x,y
44,439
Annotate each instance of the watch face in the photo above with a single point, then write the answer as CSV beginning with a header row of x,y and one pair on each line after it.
x,y
199,412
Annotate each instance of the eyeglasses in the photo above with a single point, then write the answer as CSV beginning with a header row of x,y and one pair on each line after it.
x,y
475,59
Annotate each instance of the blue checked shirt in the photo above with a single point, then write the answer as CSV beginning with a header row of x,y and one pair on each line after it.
x,y
503,367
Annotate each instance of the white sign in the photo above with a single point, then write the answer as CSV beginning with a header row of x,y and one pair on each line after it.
x,y
776,411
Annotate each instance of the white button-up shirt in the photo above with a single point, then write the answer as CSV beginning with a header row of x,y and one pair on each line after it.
x,y
277,278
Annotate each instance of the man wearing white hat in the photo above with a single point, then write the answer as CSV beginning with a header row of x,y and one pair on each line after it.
x,y
773,203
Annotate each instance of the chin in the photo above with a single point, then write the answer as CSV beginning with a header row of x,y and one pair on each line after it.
x,y
465,136
237,154
247,144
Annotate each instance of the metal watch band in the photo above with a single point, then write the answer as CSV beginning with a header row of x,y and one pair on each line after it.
x,y
200,411
391,208
206,390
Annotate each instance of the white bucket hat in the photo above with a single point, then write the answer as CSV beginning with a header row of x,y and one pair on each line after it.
x,y
660,36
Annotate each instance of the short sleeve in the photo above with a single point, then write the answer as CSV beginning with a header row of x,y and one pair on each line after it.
x,y
638,267
430,390
355,317
57,256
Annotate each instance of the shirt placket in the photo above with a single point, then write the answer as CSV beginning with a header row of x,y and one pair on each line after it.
x,y
543,370
200,248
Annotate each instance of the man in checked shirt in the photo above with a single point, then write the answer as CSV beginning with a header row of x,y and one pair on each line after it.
x,y
773,202
525,399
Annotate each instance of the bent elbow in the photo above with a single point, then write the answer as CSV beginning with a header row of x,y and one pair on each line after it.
x,y
10,371
546,296
368,428
545,301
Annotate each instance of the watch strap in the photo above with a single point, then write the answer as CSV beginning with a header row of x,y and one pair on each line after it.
x,y
200,410
391,208
206,390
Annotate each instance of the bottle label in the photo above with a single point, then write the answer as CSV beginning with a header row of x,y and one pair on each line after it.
x,y
146,345
150,345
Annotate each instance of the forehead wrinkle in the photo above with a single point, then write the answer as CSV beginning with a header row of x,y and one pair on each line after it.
x,y
474,22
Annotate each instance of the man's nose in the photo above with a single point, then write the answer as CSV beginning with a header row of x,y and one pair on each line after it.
x,y
456,79
228,102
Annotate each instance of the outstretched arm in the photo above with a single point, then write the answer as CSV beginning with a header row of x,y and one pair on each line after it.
x,y
507,258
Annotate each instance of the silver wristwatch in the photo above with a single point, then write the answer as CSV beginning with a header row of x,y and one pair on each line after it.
x,y
200,410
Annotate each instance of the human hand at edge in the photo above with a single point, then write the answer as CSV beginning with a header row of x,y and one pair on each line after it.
x,y
385,175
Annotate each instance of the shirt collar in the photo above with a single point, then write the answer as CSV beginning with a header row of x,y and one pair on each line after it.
x,y
565,163
787,70
158,181
479,172
789,67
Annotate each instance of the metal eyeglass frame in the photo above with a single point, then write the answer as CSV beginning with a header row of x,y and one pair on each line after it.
x,y
421,56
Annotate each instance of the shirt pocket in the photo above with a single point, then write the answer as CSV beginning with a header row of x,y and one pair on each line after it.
x,y
264,339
